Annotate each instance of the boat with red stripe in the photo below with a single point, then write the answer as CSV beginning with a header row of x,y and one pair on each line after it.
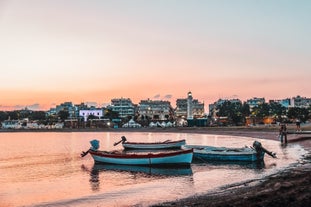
x,y
179,157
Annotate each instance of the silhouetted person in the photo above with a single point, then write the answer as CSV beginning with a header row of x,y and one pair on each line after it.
x,y
298,125
283,133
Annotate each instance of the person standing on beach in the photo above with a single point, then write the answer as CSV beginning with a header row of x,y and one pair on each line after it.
x,y
298,125
283,133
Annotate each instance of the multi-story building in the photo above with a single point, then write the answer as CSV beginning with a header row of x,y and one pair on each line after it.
x,y
67,106
197,109
155,110
181,108
87,112
123,106
189,108
284,102
301,102
254,102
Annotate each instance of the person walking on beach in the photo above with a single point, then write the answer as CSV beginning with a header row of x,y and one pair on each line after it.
x,y
298,125
283,133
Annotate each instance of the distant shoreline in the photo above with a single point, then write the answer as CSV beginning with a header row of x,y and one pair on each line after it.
x,y
260,132
147,129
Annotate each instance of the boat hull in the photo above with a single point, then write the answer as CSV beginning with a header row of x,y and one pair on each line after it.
x,y
236,157
225,154
181,157
154,145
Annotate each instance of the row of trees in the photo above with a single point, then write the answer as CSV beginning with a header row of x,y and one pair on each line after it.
x,y
22,114
237,113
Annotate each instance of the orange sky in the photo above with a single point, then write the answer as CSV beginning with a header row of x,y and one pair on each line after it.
x,y
93,51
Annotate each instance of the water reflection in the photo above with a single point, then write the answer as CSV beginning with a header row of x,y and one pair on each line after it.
x,y
144,171
236,164
94,177
153,171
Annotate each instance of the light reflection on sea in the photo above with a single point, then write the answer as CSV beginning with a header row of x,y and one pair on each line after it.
x,y
45,169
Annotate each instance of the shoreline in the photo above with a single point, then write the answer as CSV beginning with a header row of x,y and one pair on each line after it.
x,y
261,132
290,187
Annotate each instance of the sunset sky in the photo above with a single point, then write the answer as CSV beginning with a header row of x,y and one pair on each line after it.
x,y
52,51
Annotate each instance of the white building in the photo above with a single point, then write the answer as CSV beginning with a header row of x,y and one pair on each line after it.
x,y
301,102
189,108
123,106
95,112
11,124
155,110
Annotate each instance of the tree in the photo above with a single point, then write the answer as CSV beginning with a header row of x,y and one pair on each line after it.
x,y
245,110
91,116
278,111
262,110
13,115
37,115
109,114
63,114
3,116
298,113
231,110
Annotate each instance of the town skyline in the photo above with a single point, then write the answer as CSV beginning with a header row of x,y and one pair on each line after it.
x,y
93,51
155,98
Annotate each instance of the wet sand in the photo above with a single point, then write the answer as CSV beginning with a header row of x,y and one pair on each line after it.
x,y
291,187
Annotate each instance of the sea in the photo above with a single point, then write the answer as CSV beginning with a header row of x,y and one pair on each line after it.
x,y
46,169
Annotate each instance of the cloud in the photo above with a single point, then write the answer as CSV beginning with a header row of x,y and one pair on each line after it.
x,y
90,103
168,96
105,104
35,106
157,96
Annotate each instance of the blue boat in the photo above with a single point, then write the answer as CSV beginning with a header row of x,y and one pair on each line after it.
x,y
249,154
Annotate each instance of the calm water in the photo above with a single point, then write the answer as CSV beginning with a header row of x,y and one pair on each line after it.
x,y
45,169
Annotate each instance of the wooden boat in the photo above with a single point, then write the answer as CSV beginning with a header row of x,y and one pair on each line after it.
x,y
255,153
151,145
180,157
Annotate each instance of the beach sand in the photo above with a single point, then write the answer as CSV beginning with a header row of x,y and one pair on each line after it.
x,y
291,187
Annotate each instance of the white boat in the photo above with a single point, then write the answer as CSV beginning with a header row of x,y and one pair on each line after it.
x,y
180,157
168,144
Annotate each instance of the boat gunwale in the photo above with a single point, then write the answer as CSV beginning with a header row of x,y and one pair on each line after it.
x,y
139,156
155,143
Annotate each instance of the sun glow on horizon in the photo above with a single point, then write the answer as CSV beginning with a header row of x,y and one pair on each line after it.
x,y
52,52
